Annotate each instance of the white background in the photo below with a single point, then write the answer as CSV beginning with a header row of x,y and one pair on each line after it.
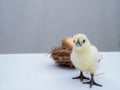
x,y
39,72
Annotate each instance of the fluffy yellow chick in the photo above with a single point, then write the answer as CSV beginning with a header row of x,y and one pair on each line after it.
x,y
85,57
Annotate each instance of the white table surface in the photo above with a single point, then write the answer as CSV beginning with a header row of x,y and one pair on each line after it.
x,y
39,72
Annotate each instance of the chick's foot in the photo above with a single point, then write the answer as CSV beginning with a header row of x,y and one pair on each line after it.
x,y
81,77
92,82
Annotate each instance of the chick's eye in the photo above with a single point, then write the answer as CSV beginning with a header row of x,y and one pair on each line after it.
x,y
84,41
74,41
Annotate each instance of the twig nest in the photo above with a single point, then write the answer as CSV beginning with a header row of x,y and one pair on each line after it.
x,y
61,55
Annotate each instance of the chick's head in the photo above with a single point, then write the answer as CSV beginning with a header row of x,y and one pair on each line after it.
x,y
81,42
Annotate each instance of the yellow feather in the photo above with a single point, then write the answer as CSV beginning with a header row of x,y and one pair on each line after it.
x,y
84,57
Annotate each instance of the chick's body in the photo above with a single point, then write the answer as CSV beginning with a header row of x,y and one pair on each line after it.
x,y
87,60
85,57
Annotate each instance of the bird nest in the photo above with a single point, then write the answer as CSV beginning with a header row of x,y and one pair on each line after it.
x,y
61,56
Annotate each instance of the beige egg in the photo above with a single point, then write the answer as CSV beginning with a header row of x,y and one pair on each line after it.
x,y
67,42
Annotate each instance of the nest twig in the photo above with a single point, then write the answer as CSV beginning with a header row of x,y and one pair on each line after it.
x,y
62,56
